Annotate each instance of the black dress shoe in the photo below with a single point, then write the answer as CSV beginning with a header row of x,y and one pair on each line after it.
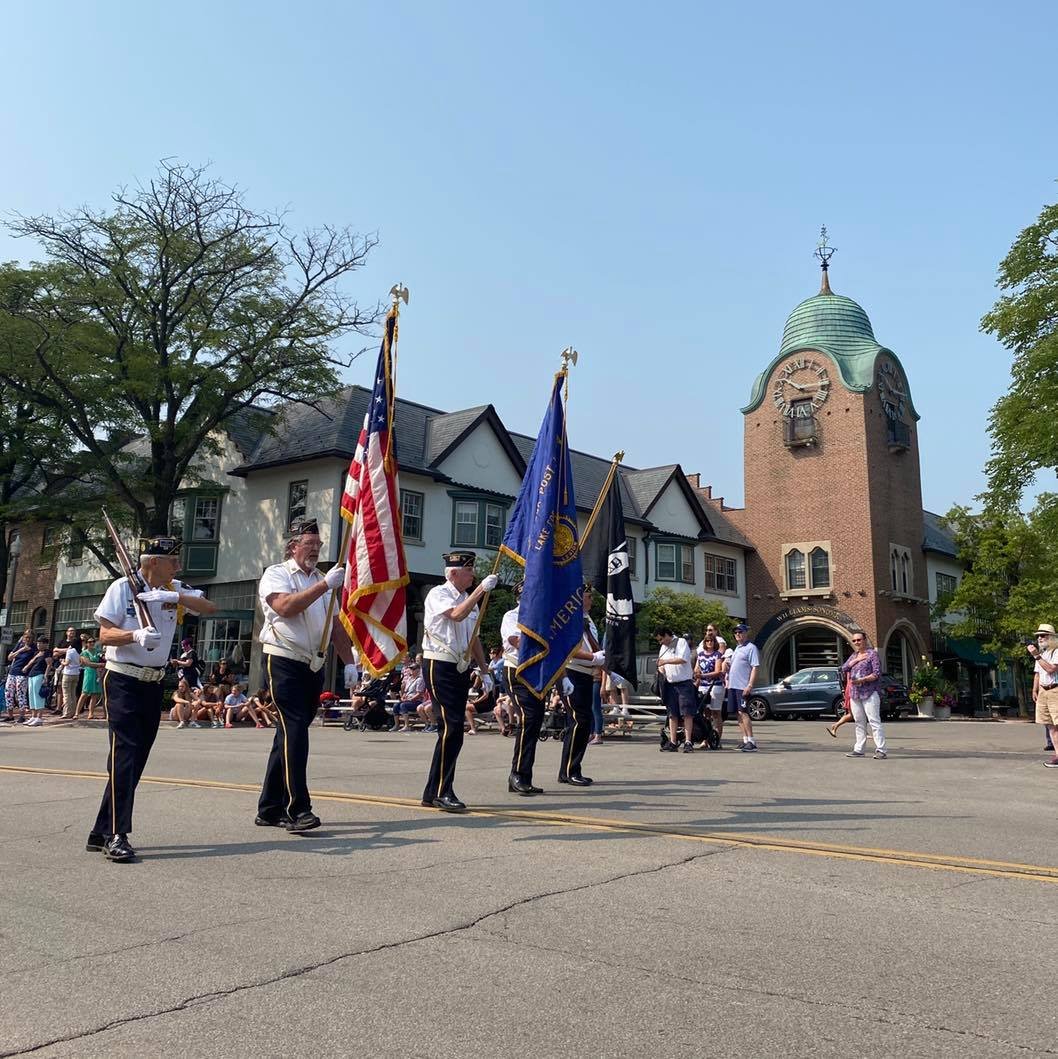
x,y
95,842
427,803
576,781
517,785
585,779
535,790
117,849
267,821
449,803
303,822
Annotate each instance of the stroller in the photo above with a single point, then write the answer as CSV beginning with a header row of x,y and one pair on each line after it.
x,y
554,718
375,717
701,729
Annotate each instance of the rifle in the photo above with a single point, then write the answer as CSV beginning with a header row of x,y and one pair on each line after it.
x,y
142,613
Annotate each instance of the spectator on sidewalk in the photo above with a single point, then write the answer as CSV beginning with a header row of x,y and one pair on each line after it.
x,y
15,687
183,705
680,697
211,706
709,676
236,706
91,663
36,670
1045,683
264,709
741,676
188,666
412,690
71,673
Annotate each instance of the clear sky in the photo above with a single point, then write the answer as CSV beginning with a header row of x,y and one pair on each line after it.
x,y
644,181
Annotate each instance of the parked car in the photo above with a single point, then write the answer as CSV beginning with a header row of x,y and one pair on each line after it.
x,y
817,691
808,691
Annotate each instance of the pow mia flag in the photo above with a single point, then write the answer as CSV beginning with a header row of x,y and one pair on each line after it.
x,y
604,558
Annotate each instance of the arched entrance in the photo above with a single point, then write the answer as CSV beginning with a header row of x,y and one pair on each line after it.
x,y
809,644
802,636
903,651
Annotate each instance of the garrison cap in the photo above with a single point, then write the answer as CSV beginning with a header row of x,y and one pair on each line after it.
x,y
465,559
166,546
304,525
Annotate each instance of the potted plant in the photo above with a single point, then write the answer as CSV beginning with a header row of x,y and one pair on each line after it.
x,y
944,701
926,683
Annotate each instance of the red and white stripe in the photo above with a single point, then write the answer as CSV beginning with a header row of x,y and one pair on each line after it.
x,y
374,600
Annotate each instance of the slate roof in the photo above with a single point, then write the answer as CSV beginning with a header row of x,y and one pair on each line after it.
x,y
247,426
938,538
425,435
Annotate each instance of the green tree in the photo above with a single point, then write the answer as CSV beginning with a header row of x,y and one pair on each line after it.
x,y
166,315
1010,581
683,612
501,598
1024,422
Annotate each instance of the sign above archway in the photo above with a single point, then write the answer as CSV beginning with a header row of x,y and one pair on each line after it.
x,y
804,611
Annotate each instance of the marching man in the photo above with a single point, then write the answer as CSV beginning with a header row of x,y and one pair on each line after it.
x,y
136,661
448,643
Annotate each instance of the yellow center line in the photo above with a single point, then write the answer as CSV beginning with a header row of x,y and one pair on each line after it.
x,y
877,855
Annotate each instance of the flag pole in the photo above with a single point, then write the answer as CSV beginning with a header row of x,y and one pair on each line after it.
x,y
618,457
397,292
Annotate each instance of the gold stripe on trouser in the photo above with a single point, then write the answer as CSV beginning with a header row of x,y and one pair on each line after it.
x,y
521,721
113,755
572,736
282,721
444,736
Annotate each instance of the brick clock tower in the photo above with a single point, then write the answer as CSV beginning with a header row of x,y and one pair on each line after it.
x,y
833,495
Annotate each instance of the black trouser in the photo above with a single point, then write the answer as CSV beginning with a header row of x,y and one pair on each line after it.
x,y
531,714
133,711
448,689
295,691
578,726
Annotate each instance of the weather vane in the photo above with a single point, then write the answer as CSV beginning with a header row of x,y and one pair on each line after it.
x,y
824,251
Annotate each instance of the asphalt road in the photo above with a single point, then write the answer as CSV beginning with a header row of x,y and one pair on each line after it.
x,y
790,903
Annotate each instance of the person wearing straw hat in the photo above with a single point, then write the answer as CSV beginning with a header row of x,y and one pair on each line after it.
x,y
448,644
1045,683
293,598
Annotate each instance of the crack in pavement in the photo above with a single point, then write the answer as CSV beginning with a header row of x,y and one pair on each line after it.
x,y
166,940
201,999
847,1010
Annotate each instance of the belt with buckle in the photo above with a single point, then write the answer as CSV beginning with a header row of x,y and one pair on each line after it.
x,y
148,674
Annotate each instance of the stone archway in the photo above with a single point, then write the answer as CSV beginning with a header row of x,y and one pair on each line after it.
x,y
803,643
903,650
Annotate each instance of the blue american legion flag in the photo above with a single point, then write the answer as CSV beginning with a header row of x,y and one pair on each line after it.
x,y
542,537
374,610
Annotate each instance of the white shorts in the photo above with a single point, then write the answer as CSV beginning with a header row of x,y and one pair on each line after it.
x,y
711,696
618,681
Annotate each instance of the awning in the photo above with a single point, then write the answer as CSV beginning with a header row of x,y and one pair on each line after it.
x,y
969,649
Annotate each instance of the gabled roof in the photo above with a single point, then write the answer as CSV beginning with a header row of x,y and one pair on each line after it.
x,y
425,436
445,433
937,536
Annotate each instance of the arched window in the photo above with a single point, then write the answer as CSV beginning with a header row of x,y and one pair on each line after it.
x,y
795,569
905,572
894,569
820,563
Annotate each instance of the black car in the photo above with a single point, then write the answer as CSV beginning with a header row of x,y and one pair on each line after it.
x,y
815,691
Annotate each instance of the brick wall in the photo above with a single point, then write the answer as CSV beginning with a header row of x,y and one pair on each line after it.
x,y
35,577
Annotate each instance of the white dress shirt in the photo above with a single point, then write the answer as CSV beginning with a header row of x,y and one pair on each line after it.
x,y
441,634
302,632
119,608
508,628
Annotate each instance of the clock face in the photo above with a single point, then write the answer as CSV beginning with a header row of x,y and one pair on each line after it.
x,y
891,390
801,386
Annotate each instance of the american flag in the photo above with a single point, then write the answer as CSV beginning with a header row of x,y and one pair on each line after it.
x,y
374,608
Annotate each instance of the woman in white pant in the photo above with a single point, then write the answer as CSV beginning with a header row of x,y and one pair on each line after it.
x,y
864,673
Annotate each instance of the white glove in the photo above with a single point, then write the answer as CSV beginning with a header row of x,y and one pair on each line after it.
x,y
158,595
148,638
335,577
599,658
489,582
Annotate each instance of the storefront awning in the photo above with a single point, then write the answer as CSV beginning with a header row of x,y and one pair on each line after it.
x,y
969,649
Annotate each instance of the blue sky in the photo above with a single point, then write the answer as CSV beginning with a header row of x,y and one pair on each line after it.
x,y
645,182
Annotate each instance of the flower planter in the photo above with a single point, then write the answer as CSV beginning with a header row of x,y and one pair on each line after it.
x,y
942,713
926,707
